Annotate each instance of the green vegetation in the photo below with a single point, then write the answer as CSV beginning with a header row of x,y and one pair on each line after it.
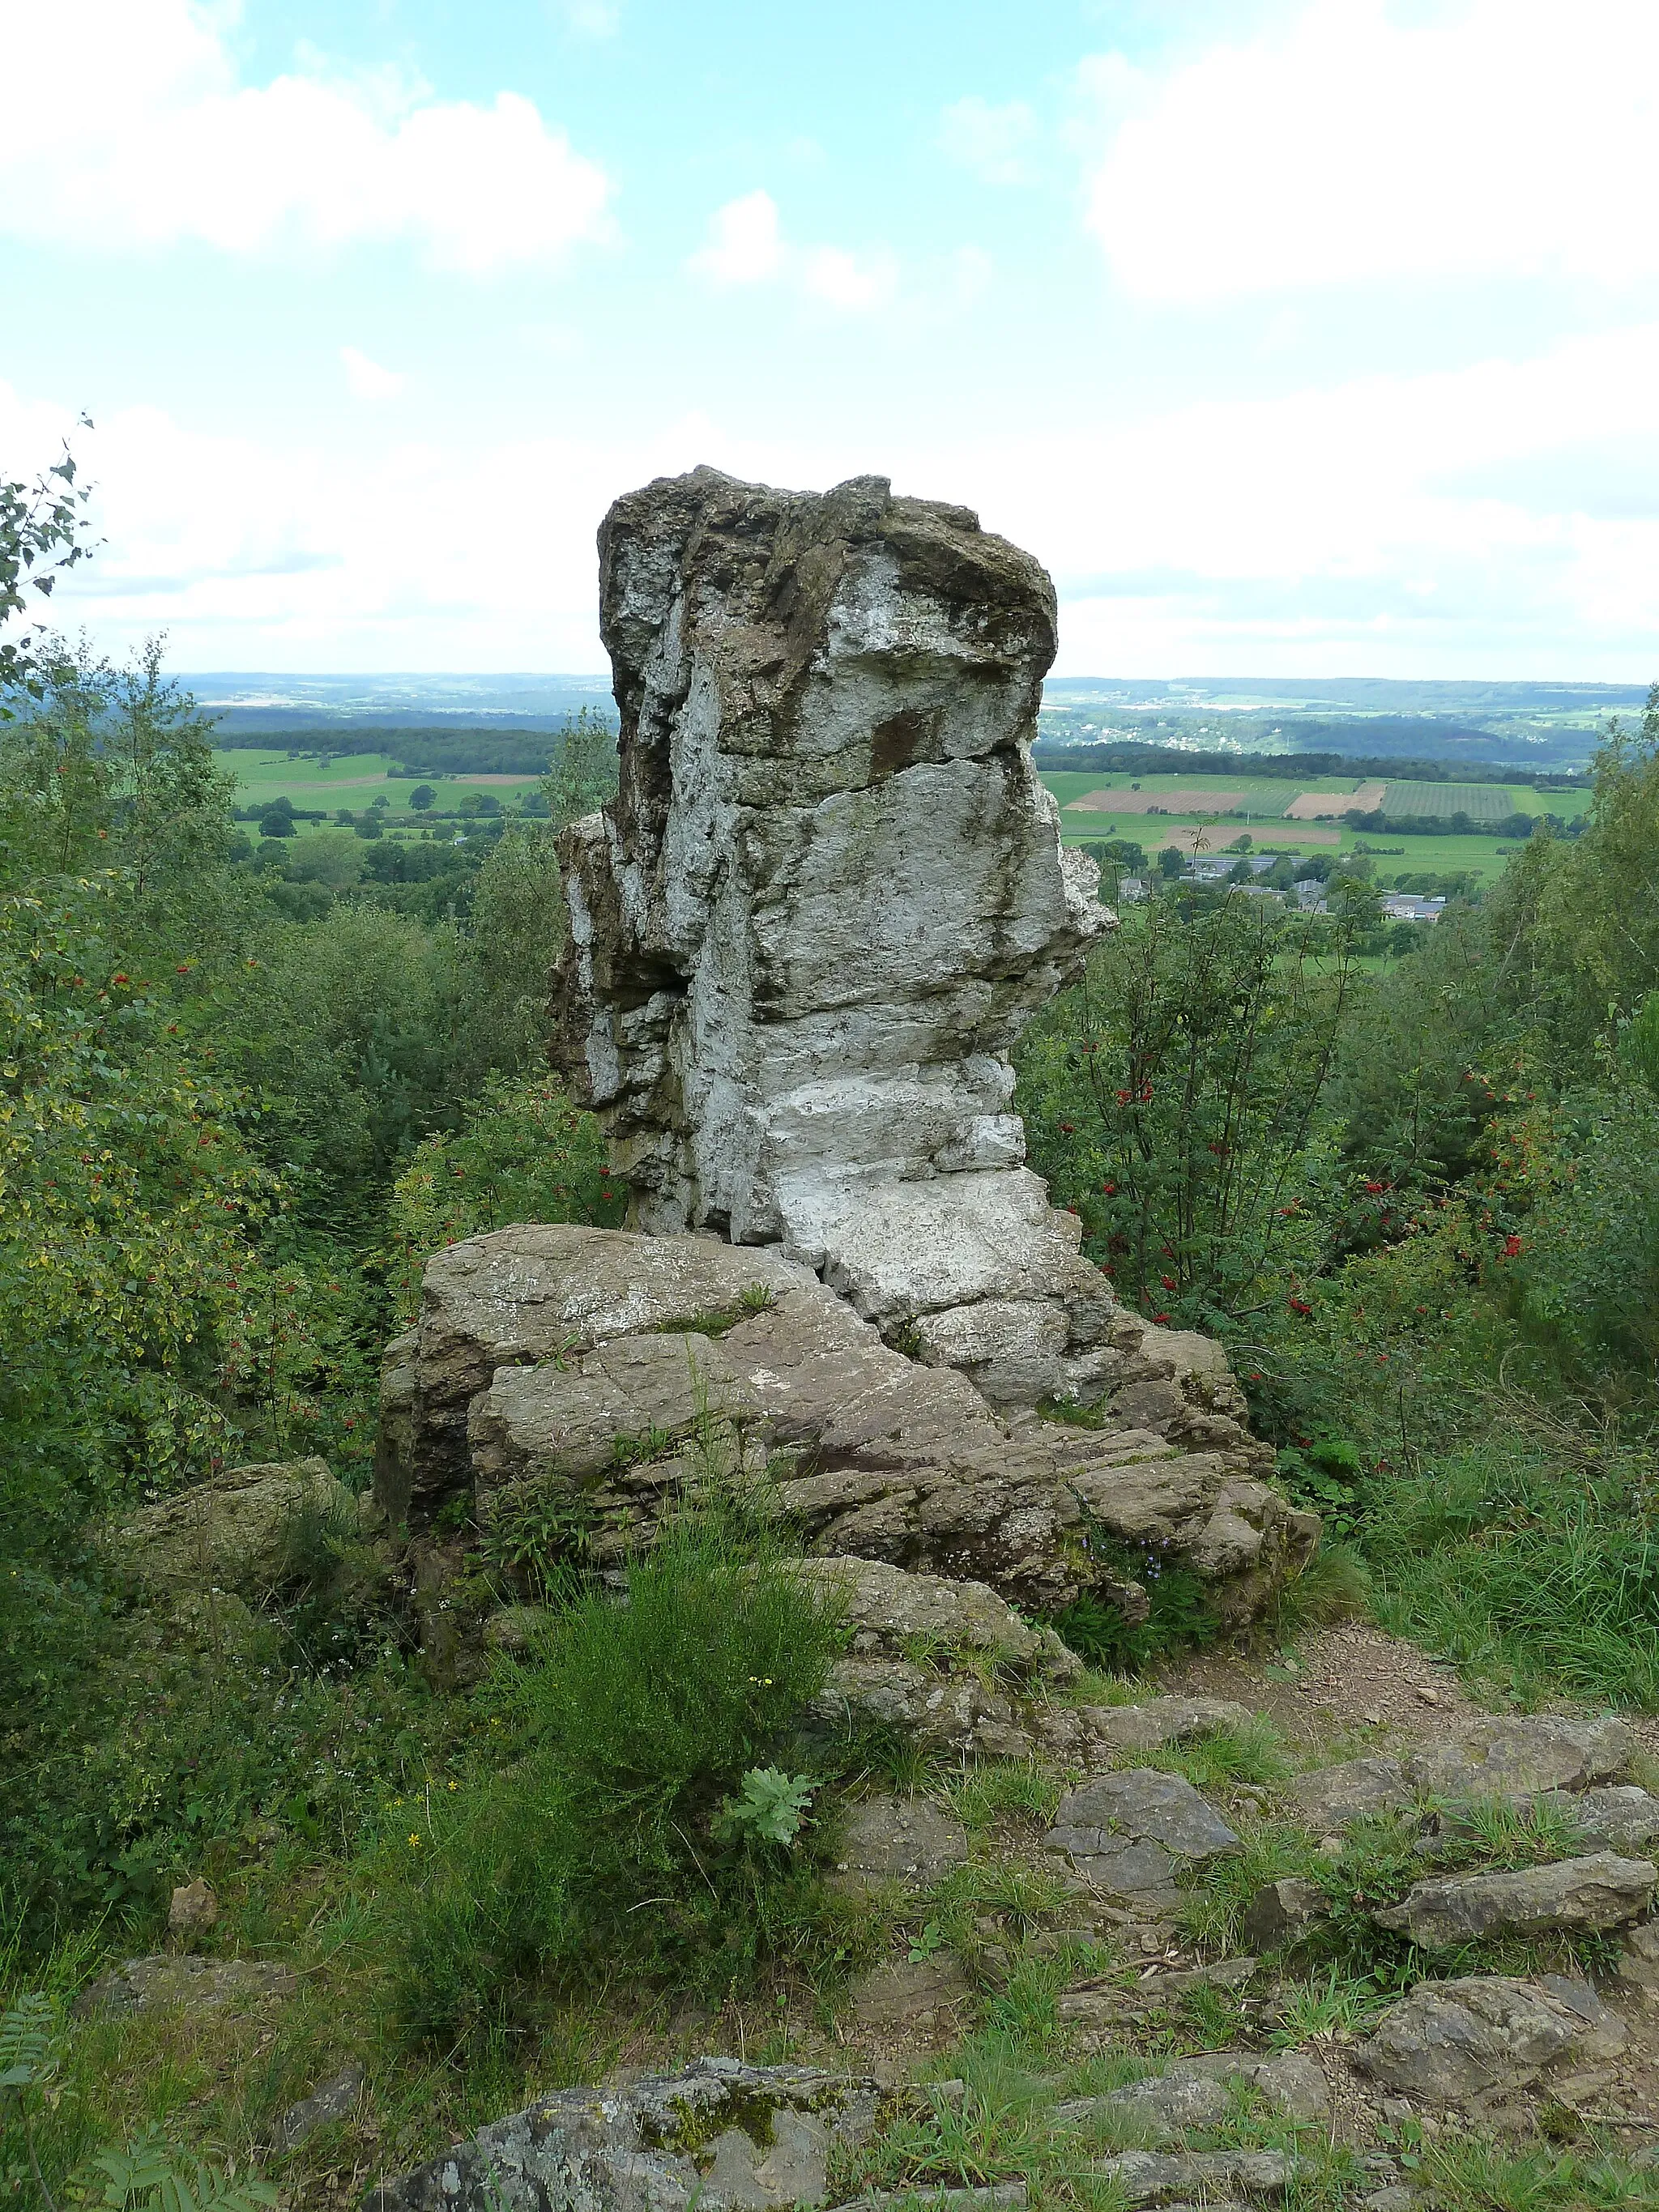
x,y
1418,1206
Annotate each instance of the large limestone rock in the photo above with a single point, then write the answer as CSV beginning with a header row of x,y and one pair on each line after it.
x,y
618,1371
1602,1890
1487,2035
245,1531
828,897
829,892
720,2135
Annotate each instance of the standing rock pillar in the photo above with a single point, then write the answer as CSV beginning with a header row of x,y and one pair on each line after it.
x,y
828,897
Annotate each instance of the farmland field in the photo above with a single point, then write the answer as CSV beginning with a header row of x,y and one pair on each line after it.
x,y
1481,802
353,780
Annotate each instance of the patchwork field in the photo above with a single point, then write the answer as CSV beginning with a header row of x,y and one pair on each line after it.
x,y
1481,802
1198,800
1322,806
355,779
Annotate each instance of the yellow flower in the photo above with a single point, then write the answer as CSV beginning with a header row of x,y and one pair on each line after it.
x,y
414,1840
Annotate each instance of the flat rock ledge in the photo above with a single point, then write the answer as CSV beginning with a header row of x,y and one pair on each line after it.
x,y
616,1371
719,2135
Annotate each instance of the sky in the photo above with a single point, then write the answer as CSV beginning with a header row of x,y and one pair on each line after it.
x,y
1295,337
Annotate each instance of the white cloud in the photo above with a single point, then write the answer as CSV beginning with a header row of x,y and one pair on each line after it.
x,y
1491,139
745,243
367,379
988,140
843,280
160,145
1502,518
746,246
593,19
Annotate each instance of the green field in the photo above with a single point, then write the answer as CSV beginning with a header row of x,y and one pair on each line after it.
x,y
355,779
1260,809
1481,802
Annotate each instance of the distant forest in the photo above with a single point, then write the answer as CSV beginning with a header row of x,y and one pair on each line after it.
x,y
417,751
1136,759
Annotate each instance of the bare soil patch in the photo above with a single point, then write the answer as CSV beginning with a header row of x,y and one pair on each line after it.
x,y
1351,1679
1326,805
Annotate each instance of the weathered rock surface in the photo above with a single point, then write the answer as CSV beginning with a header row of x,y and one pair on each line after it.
x,y
1618,1818
195,1985
1332,1798
1602,1890
1638,1958
1151,2177
1282,1913
909,1840
1487,2035
1192,2092
331,2101
913,1995
1494,1758
616,1371
241,1531
831,892
892,1611
1133,1832
1163,1720
731,2137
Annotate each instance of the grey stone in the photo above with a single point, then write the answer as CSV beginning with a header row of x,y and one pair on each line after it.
x,y
1639,1957
719,2134
1495,1757
1133,1831
244,1531
910,1840
332,2101
1393,2197
1617,1817
1602,1890
1148,2176
510,1381
1283,1913
831,891
1192,2092
1163,1720
531,1296
1484,2035
1332,1798
1289,2081
890,1610
1161,2105
910,1993
167,1980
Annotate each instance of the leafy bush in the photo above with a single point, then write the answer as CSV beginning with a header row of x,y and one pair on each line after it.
x,y
611,1844
1172,1101
524,1153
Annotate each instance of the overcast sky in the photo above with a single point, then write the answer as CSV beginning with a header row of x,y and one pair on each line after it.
x,y
1295,338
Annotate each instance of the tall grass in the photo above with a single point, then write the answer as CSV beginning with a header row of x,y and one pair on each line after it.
x,y
609,1849
1531,1555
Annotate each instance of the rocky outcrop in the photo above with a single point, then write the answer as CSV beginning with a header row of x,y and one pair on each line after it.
x,y
1134,1832
829,892
246,1531
720,2135
1486,2036
829,895
1602,1891
607,1372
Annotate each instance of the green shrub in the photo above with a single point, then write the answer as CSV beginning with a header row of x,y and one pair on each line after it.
x,y
524,1153
610,1845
